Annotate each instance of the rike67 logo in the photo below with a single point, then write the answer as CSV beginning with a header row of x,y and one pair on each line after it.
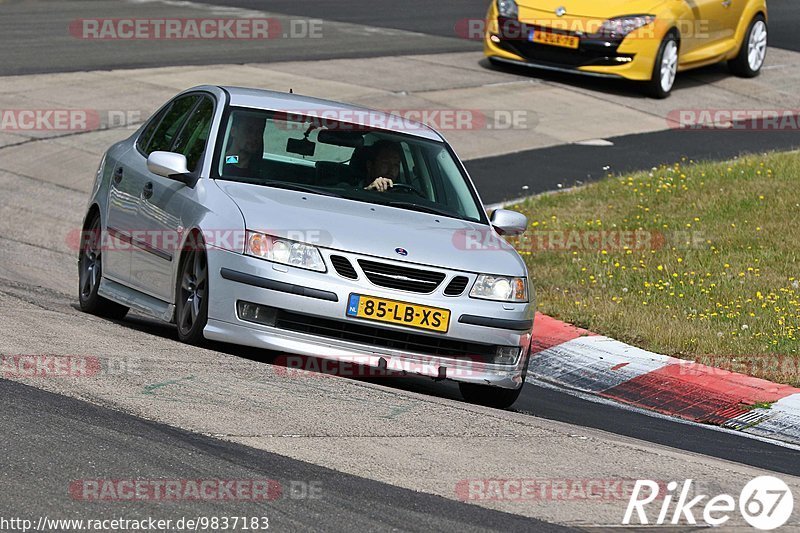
x,y
765,503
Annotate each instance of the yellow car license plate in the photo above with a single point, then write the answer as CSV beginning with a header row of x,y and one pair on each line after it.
x,y
394,312
554,39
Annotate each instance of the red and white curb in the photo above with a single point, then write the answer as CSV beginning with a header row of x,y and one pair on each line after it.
x,y
578,359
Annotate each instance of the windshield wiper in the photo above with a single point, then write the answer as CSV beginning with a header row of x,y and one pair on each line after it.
x,y
422,208
299,187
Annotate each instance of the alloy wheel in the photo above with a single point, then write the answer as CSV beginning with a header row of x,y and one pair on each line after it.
x,y
90,264
669,65
757,45
193,291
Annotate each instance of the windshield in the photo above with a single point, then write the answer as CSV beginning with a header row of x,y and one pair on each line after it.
x,y
323,156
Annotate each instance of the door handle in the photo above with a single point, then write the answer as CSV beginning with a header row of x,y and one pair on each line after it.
x,y
118,173
147,192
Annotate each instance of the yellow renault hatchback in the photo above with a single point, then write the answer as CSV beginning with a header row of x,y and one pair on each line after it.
x,y
643,40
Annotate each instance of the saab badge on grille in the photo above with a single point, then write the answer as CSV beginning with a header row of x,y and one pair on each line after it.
x,y
401,251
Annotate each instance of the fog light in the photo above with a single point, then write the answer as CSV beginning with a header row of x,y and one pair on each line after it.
x,y
506,355
494,38
260,314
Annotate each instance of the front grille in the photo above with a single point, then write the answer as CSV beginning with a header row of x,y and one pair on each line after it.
x,y
591,51
402,278
456,286
567,57
388,338
343,267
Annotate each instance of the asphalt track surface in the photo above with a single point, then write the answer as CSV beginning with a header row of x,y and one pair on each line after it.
x,y
93,440
563,166
36,37
57,440
437,18
35,34
552,404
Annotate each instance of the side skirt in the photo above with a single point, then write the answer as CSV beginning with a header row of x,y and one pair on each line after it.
x,y
137,301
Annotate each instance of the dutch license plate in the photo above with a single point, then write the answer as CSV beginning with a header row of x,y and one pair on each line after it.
x,y
394,312
553,39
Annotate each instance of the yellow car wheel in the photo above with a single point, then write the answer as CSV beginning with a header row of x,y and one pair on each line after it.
x,y
753,51
665,68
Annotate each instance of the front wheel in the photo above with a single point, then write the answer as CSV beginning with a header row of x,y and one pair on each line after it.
x,y
90,272
665,68
191,307
489,396
753,52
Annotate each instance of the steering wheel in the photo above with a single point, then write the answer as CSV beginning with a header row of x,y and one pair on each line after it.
x,y
406,187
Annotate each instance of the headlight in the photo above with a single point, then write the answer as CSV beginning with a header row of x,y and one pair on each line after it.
x,y
284,251
501,288
507,9
622,26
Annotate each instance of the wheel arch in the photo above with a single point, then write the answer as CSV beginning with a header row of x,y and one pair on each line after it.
x,y
94,210
193,241
91,213
674,31
754,10
190,240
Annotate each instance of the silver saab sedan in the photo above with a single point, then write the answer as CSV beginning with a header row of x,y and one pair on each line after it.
x,y
314,228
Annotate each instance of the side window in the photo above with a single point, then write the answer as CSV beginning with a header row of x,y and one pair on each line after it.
x,y
420,175
454,189
192,139
147,133
171,125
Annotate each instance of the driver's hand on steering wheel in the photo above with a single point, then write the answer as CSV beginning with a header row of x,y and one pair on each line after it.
x,y
380,185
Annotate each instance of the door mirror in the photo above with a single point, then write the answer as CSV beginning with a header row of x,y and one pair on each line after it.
x,y
509,222
168,164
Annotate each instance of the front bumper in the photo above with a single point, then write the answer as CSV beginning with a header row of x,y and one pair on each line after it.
x,y
311,321
631,58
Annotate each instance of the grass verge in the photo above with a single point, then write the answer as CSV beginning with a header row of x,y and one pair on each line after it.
x,y
696,260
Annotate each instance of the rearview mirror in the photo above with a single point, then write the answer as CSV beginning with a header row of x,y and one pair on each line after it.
x,y
509,222
302,147
339,137
168,165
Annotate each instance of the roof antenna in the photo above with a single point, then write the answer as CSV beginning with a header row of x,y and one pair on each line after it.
x,y
291,91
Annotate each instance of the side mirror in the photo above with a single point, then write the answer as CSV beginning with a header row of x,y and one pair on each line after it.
x,y
509,222
168,165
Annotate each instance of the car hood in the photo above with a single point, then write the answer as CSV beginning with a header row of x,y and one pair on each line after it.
x,y
585,8
374,230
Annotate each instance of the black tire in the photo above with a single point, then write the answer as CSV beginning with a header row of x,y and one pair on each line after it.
x,y
494,396
654,87
191,295
489,396
740,65
90,272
